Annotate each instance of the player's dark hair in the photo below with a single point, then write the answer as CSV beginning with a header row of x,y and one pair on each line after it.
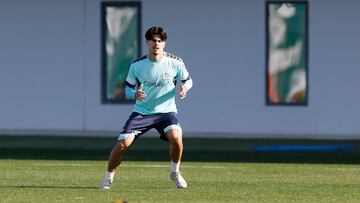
x,y
151,32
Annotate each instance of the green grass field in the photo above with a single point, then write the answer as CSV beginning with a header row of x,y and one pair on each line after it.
x,y
52,169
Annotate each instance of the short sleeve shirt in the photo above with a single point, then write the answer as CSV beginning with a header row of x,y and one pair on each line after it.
x,y
159,82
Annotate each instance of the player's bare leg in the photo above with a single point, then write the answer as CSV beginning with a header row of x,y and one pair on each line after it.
x,y
115,159
175,151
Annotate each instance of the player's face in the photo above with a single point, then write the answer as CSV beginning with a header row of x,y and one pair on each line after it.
x,y
155,45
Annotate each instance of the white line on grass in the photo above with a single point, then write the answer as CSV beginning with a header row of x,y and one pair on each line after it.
x,y
166,166
61,164
345,169
138,165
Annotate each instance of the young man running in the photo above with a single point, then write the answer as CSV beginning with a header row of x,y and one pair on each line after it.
x,y
152,82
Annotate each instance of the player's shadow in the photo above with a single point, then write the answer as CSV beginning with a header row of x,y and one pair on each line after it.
x,y
46,187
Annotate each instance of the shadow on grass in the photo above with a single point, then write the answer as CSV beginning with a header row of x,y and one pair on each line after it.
x,y
44,187
195,149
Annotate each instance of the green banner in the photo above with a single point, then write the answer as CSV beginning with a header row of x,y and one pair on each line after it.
x,y
287,53
121,31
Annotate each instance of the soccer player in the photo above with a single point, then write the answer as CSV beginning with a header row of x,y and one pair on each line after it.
x,y
152,82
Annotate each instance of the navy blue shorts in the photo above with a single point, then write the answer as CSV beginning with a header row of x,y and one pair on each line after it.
x,y
138,124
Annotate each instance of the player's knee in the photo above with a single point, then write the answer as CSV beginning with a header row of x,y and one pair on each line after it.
x,y
119,147
174,136
125,144
122,146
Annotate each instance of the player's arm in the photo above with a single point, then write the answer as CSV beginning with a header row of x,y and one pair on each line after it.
x,y
131,93
130,90
184,87
130,83
186,81
130,86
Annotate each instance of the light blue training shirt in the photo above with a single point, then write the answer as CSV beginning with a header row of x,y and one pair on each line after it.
x,y
159,80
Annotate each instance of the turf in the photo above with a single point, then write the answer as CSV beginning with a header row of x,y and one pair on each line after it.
x,y
78,181
70,169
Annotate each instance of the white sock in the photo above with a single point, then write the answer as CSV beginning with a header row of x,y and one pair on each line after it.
x,y
109,175
175,167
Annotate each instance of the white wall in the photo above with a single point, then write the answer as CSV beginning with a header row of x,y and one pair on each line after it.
x,y
42,64
50,67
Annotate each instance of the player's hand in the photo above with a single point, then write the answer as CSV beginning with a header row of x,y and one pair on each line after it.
x,y
140,95
183,91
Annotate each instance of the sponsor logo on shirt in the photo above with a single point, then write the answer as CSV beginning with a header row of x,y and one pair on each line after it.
x,y
156,84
